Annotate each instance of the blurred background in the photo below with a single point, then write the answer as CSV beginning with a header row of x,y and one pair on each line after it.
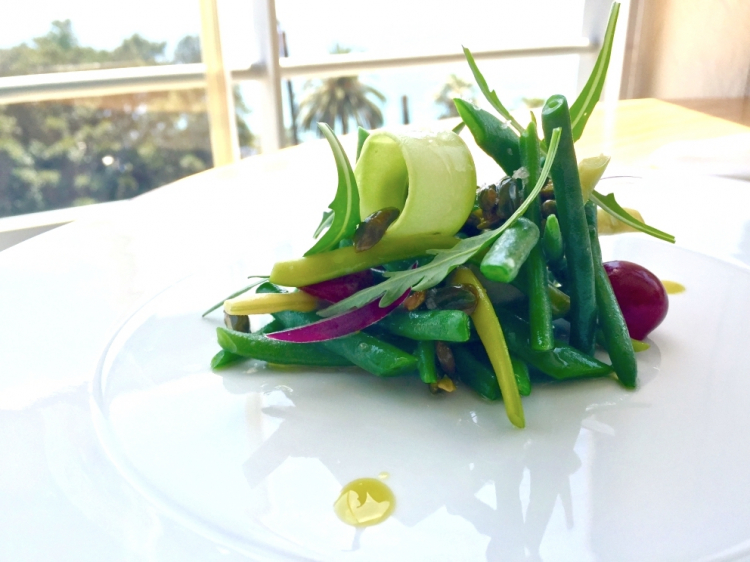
x,y
102,101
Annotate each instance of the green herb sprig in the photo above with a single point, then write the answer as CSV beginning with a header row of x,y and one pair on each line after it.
x,y
491,95
345,205
325,222
581,109
611,206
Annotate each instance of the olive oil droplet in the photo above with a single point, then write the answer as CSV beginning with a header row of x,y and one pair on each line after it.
x,y
673,287
365,501
639,346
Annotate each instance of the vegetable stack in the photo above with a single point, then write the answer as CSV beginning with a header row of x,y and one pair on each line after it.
x,y
419,271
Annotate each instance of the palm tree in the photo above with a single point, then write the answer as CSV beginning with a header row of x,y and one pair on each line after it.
x,y
454,87
340,99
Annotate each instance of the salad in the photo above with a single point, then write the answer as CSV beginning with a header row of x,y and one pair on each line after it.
x,y
416,270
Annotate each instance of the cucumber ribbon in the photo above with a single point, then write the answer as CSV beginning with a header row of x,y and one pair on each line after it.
x,y
429,176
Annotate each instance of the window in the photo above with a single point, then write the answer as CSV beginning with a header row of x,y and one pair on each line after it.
x,y
99,103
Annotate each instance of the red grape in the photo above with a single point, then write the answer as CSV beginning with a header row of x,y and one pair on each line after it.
x,y
641,296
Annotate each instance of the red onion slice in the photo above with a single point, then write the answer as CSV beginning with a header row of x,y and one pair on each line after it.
x,y
335,290
341,325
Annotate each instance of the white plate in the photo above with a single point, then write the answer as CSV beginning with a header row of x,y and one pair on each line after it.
x,y
254,458
67,292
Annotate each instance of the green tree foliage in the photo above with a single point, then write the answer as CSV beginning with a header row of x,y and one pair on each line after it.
x,y
79,151
339,100
188,50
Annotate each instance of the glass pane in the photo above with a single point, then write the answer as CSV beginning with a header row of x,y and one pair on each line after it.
x,y
427,92
81,151
84,35
405,27
75,152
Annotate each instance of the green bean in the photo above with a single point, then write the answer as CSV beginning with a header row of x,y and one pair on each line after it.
x,y
477,375
260,347
559,301
474,369
404,344
425,354
540,312
493,136
521,370
365,351
552,241
443,325
271,327
224,357
562,362
573,226
637,345
509,252
611,320
371,354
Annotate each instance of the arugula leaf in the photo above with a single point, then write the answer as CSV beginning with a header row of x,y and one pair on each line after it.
x,y
490,95
345,206
261,279
581,109
325,222
444,261
608,203
458,128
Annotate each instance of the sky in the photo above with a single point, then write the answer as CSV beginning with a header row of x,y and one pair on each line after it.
x,y
313,27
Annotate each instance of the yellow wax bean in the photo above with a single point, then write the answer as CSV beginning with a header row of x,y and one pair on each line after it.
x,y
489,330
329,265
268,303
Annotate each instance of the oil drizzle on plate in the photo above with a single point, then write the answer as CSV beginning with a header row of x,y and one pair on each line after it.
x,y
365,501
673,287
639,346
